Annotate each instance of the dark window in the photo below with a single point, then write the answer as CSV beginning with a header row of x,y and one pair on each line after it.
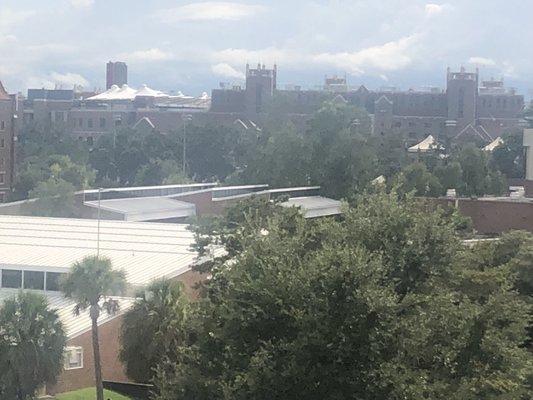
x,y
2,162
461,108
89,123
2,143
80,122
427,125
11,279
411,124
52,281
34,280
398,124
2,125
102,122
90,140
2,178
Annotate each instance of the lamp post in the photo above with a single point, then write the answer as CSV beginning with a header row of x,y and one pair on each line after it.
x,y
186,118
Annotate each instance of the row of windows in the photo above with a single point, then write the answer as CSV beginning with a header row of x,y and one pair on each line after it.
x,y
33,280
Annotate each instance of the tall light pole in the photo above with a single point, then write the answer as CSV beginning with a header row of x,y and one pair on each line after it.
x,y
98,229
186,118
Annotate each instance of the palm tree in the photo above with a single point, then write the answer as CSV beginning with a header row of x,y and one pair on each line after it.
x,y
32,340
90,283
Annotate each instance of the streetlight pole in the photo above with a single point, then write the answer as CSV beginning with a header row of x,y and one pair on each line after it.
x,y
186,118
98,229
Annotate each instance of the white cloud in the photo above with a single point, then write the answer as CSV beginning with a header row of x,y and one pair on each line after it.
x,y
482,61
10,18
208,11
227,71
434,9
150,55
82,3
390,56
56,79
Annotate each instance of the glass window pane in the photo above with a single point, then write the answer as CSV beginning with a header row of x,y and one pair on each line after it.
x,y
52,281
11,279
34,280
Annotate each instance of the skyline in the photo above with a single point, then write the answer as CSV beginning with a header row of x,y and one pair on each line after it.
x,y
192,46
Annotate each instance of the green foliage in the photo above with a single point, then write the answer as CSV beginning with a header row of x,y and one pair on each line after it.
x,y
509,157
385,303
416,178
54,198
153,328
88,394
31,346
92,280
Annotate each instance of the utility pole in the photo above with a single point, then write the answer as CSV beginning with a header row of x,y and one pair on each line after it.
x,y
186,118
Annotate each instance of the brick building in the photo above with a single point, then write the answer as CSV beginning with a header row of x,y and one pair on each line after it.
x,y
8,134
116,74
36,252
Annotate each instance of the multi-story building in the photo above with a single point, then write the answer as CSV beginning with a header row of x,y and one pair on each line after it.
x,y
8,129
116,74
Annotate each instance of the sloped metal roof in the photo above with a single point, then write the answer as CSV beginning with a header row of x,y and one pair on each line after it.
x,y
315,206
74,325
145,251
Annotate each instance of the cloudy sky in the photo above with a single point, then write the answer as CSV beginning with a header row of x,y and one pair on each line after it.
x,y
193,45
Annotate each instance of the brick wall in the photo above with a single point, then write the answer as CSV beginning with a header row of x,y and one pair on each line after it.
x,y
112,368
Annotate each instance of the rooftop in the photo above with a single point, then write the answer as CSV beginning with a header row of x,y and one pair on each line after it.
x,y
145,251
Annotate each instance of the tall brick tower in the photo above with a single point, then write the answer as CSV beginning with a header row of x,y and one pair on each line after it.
x,y
462,94
116,74
260,87
8,123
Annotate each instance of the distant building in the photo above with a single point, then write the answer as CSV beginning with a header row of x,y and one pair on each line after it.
x,y
8,134
116,74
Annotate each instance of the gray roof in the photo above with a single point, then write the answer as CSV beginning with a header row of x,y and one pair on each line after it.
x,y
315,206
146,208
74,325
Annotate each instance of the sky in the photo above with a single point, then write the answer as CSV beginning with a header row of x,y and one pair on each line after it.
x,y
191,46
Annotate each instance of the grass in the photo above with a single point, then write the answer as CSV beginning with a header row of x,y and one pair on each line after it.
x,y
89,394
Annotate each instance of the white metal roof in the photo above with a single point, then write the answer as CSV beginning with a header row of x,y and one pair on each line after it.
x,y
425,145
146,208
495,143
315,206
74,325
145,251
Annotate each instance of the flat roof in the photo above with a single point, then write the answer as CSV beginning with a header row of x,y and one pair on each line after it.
x,y
315,206
146,208
74,325
145,251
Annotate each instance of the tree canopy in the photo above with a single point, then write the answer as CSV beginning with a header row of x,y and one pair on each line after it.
x,y
32,340
384,303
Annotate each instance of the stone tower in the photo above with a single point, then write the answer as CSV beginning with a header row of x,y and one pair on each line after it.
x,y
260,88
462,93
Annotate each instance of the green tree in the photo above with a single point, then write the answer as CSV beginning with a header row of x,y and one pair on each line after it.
x,y
32,340
508,157
382,304
53,198
153,328
416,178
90,283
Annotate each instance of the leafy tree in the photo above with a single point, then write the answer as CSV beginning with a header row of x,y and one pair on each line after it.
x,y
90,283
158,172
382,304
509,158
153,328
53,198
32,340
416,178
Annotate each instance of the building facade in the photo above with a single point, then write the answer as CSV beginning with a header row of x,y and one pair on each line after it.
x,y
116,74
8,134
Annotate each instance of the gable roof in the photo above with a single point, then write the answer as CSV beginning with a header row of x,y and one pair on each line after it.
x,y
3,93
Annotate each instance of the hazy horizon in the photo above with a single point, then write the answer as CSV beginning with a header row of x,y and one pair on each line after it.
x,y
192,46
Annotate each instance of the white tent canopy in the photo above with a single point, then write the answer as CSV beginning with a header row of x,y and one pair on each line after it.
x,y
492,146
426,145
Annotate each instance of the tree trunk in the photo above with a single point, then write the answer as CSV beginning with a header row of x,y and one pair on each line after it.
x,y
95,313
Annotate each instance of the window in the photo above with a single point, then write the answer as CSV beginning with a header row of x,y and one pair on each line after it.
x,y
90,140
411,124
73,358
2,143
52,281
2,125
398,124
427,125
11,279
80,122
2,197
60,116
34,280
2,178
2,162
89,123
102,122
